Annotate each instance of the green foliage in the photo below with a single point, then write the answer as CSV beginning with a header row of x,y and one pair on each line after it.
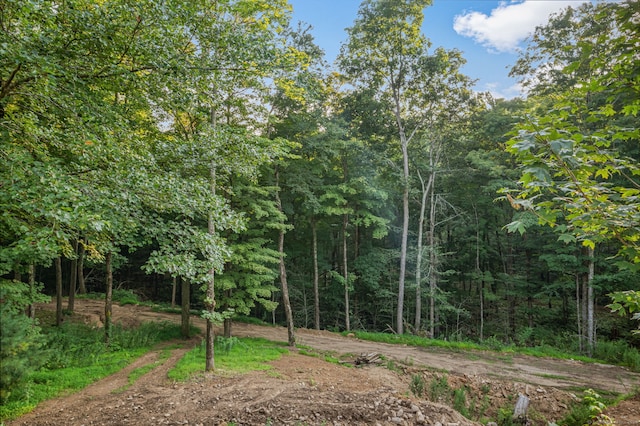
x,y
247,354
125,297
21,342
579,173
225,344
626,303
439,390
589,411
74,356
417,385
460,401
618,352
20,350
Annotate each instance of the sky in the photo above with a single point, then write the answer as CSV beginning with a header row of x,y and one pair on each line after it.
x,y
489,33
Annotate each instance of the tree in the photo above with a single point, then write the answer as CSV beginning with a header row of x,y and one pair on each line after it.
x,y
387,55
92,94
579,158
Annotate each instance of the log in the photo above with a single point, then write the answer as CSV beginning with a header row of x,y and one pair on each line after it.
x,y
370,358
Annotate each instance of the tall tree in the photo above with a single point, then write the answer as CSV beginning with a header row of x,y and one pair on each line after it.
x,y
579,155
387,54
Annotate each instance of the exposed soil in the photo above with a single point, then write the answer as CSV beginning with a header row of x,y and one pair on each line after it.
x,y
306,390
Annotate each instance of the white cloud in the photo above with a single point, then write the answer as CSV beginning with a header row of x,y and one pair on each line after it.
x,y
509,23
498,91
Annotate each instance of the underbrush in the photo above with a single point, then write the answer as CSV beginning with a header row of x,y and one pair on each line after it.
x,y
231,355
591,409
74,356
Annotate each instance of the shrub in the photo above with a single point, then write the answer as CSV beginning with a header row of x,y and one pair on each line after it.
x,y
618,352
20,339
125,297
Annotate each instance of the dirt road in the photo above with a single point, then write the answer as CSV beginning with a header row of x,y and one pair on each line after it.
x,y
306,390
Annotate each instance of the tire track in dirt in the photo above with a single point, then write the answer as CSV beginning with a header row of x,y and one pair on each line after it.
x,y
105,393
562,374
308,390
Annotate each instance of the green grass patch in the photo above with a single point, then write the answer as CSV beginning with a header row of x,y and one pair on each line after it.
x,y
47,384
76,356
245,354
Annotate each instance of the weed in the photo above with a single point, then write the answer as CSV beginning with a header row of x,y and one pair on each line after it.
x,y
417,385
391,365
225,344
439,390
596,408
460,401
590,410
505,417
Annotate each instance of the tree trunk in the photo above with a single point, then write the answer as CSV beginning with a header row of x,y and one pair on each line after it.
x,y
185,296
345,272
174,287
73,278
210,298
480,274
591,328
82,289
419,252
227,327
405,238
283,270
404,145
31,310
316,277
58,263
108,300
433,267
579,315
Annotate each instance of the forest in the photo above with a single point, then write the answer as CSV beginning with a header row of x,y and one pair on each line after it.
x,y
204,152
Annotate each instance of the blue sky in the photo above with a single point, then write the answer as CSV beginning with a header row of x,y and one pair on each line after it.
x,y
488,32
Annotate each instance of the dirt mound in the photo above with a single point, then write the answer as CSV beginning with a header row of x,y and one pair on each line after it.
x,y
413,386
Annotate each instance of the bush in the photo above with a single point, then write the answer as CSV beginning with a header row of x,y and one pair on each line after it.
x,y
20,339
618,352
20,349
125,297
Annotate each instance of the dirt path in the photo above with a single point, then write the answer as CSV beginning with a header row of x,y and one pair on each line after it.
x,y
306,390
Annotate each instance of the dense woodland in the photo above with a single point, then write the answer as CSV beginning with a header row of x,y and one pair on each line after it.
x,y
208,146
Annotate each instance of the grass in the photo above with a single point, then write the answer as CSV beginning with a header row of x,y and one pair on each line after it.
x,y
76,357
328,356
246,354
617,353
